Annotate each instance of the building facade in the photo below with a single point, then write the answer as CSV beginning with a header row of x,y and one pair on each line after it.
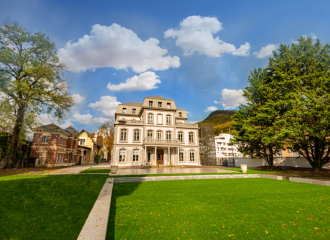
x,y
154,132
53,146
223,149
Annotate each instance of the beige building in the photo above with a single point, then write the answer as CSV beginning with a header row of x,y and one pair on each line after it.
x,y
154,131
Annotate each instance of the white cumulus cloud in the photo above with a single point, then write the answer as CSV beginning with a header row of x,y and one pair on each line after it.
x,y
266,51
210,109
195,34
77,98
81,118
145,81
117,47
107,105
231,98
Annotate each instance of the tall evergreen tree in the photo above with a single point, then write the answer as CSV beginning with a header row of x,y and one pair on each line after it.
x,y
300,73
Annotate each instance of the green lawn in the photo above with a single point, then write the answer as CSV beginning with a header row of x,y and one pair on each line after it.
x,y
95,170
219,209
45,206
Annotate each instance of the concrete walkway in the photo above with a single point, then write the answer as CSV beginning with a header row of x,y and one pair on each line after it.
x,y
170,171
70,170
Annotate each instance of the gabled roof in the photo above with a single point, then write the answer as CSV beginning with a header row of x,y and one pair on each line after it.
x,y
135,104
71,129
160,98
89,136
51,126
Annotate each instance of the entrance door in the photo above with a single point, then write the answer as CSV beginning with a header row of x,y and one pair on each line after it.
x,y
160,157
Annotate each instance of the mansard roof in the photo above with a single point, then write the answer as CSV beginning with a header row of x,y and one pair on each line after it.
x,y
160,98
135,104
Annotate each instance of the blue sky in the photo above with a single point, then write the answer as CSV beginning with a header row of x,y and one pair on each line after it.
x,y
198,53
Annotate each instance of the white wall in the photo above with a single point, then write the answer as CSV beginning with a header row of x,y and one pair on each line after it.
x,y
281,161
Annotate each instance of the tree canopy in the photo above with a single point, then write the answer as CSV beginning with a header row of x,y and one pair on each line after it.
x,y
289,102
31,78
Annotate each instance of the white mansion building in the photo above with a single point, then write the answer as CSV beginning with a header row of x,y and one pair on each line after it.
x,y
154,131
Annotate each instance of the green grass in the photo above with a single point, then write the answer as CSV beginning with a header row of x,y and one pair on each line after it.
x,y
46,206
219,209
95,170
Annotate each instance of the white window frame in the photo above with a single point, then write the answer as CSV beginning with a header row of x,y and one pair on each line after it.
x,y
168,105
122,139
150,103
124,110
192,155
148,135
180,139
168,119
160,104
150,118
168,135
181,155
122,155
136,156
136,137
161,134
193,137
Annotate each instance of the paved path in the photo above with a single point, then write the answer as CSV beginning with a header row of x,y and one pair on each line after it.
x,y
70,170
170,171
96,224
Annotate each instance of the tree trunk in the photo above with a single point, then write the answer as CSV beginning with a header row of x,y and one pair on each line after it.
x,y
11,158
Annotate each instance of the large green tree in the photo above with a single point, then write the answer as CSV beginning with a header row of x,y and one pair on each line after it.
x,y
300,74
31,77
255,133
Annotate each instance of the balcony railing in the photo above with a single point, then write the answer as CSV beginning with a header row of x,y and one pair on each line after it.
x,y
160,141
126,121
189,125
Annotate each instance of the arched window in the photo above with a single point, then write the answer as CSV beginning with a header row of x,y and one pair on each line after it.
x,y
168,135
149,134
123,135
180,136
150,118
159,135
191,137
122,155
136,137
192,155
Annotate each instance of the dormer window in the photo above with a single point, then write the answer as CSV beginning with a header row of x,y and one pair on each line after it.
x,y
150,103
180,114
168,105
159,104
134,111
124,110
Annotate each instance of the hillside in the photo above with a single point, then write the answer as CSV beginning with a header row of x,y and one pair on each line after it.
x,y
221,120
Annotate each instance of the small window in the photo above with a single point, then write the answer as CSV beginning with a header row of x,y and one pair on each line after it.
x,y
124,110
192,155
134,111
60,140
122,154
168,105
150,118
135,155
82,142
159,104
180,114
123,135
150,103
168,119
180,136
181,155
191,137
149,134
45,139
159,135
136,135
168,135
